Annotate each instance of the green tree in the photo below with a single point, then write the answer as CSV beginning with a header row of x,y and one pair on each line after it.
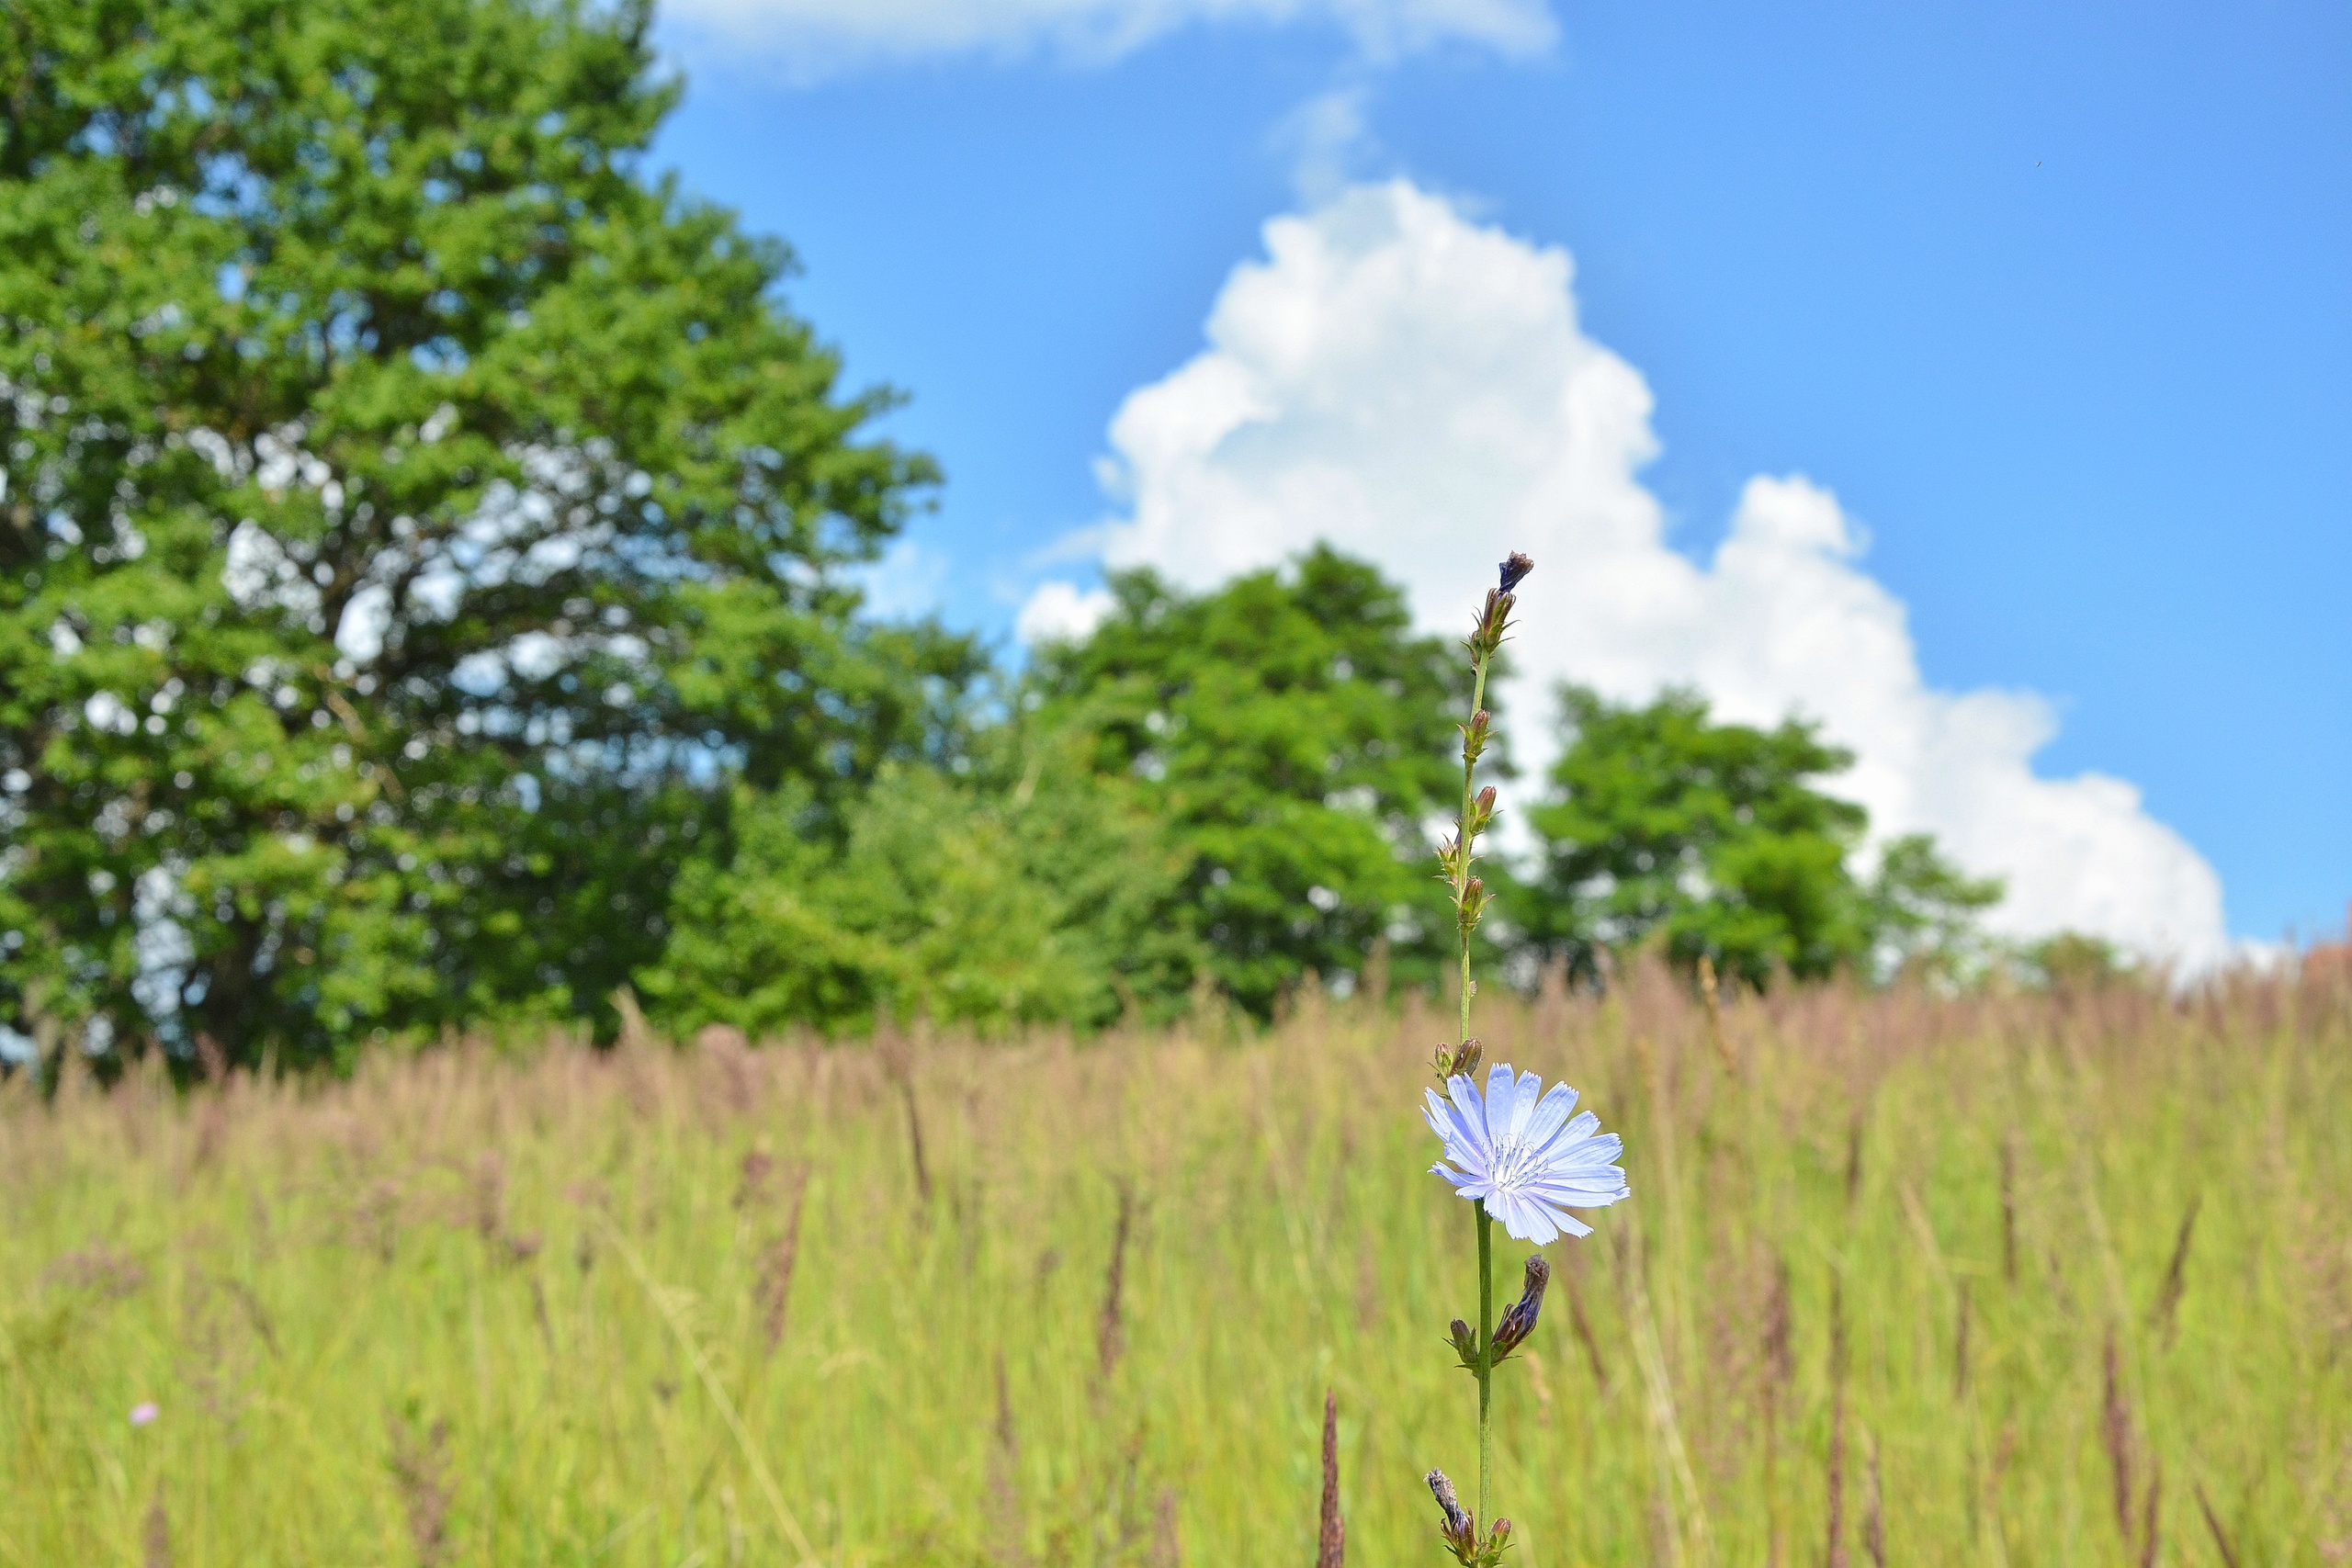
x,y
1924,911
1712,839
991,903
1295,734
2073,963
413,516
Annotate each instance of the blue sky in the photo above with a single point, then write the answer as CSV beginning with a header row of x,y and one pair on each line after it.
x,y
2056,300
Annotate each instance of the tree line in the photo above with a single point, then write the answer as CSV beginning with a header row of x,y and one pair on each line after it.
x,y
429,564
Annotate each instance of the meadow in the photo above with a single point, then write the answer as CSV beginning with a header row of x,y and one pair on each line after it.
x,y
2000,1279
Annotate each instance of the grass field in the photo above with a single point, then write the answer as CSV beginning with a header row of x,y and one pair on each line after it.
x,y
2000,1281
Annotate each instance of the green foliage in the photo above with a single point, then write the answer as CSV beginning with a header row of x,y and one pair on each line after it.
x,y
979,906
1295,734
2070,960
1923,913
1712,840
410,510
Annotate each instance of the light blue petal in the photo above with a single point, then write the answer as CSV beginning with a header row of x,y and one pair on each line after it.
x,y
1574,1227
1439,1116
1470,1113
1527,1220
1523,1102
1548,1116
1461,1147
1581,1195
1574,1133
1602,1150
1499,1084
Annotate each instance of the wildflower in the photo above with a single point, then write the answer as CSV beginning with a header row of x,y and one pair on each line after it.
x,y
1518,1149
145,1412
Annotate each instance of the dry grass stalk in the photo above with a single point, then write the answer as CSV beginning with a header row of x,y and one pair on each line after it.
x,y
2009,1209
2115,1430
1836,1553
2149,1534
1960,1343
1004,1476
898,1062
155,1538
2164,1318
775,1270
1779,1373
1331,1543
1711,993
1583,1325
256,1313
540,1315
1167,1547
1110,1333
2213,1524
1854,1158
1874,1513
420,1464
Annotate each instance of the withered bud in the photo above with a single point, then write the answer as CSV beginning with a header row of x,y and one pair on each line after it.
x,y
1514,571
1519,1318
1460,1531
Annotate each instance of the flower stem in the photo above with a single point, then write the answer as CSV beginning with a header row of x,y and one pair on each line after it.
x,y
1464,836
1486,1365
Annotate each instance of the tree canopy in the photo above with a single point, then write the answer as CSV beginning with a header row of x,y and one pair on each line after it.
x,y
1716,840
411,509
1294,733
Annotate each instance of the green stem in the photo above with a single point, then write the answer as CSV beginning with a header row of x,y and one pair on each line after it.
x,y
1461,876
1485,1366
1485,1222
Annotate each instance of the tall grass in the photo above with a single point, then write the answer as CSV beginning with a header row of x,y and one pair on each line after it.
x,y
691,1307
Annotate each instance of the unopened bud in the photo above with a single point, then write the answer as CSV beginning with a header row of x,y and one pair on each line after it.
x,y
1466,1059
1519,1318
1473,903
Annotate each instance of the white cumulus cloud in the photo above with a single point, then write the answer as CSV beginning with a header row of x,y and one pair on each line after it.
x,y
1417,389
1060,612
813,37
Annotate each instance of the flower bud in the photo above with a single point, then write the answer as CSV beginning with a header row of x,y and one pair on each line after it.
x,y
1465,1344
1465,1058
1519,1319
1473,903
1474,735
1514,571
1460,1530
